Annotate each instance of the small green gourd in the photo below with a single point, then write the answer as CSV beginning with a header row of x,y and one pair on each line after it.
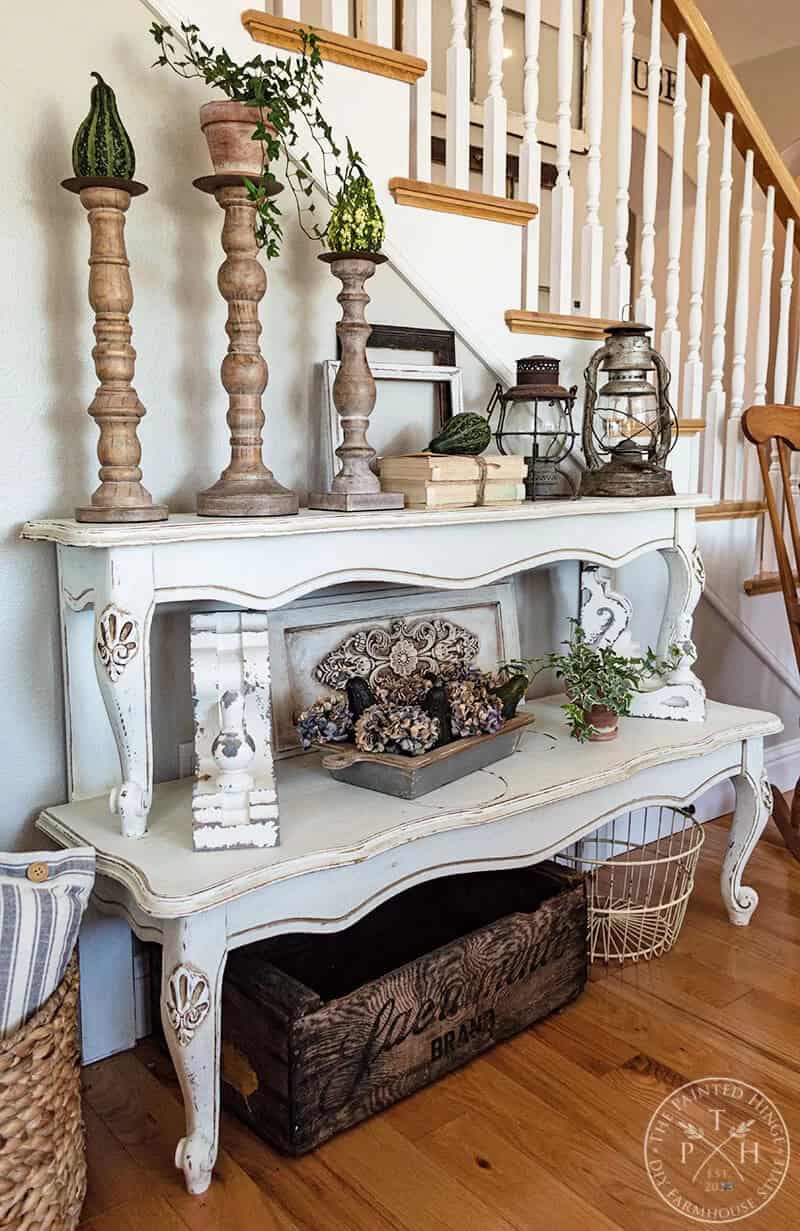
x,y
356,223
466,434
102,147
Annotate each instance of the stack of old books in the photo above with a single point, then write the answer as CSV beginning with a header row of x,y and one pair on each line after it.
x,y
446,481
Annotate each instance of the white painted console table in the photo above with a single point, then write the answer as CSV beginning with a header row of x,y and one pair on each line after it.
x,y
338,858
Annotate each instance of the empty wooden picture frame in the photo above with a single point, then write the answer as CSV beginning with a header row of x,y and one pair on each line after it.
x,y
450,377
440,344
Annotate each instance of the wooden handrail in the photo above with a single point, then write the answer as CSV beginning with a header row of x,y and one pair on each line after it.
x,y
704,55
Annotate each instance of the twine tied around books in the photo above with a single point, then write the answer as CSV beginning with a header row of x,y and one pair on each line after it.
x,y
483,474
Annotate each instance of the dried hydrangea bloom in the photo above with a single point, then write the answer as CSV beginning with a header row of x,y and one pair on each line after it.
x,y
403,729
327,721
402,689
474,709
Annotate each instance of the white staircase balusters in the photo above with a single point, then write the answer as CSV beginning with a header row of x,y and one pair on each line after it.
x,y
761,362
780,379
379,22
671,334
563,202
693,371
592,234
619,285
290,9
335,15
530,156
781,375
417,42
458,98
645,302
713,439
495,111
734,441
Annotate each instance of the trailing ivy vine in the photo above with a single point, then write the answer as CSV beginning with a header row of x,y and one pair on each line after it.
x,y
285,97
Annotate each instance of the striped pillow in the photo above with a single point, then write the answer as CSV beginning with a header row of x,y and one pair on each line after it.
x,y
42,900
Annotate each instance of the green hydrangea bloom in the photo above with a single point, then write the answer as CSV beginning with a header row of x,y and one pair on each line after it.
x,y
356,223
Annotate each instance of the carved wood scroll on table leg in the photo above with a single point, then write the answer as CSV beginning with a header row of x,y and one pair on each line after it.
x,y
124,606
194,952
606,616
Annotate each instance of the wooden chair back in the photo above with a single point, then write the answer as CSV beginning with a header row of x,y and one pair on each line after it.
x,y
766,426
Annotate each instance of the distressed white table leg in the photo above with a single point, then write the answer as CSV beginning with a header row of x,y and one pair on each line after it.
x,y
124,605
753,810
194,953
679,693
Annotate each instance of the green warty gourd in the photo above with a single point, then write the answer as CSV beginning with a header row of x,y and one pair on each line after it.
x,y
466,434
102,147
356,223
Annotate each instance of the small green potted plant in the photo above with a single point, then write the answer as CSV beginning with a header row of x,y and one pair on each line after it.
x,y
599,682
269,104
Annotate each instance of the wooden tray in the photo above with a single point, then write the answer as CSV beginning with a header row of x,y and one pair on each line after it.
x,y
410,777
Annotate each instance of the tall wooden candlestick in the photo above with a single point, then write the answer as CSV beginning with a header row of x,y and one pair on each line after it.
x,y
116,408
246,488
356,487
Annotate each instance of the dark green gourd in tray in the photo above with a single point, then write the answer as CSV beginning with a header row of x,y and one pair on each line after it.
x,y
102,147
467,434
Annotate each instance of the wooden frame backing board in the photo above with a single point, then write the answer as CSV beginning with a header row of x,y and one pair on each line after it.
x,y
303,634
446,377
440,344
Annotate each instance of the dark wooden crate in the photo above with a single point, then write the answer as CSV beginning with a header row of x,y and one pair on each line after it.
x,y
320,1032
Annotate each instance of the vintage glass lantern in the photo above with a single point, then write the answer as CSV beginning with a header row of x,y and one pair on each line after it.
x,y
629,425
535,421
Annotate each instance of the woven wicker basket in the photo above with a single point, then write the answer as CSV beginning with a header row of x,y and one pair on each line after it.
x,y
42,1137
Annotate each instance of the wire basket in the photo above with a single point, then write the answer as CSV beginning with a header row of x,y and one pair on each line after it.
x,y
641,872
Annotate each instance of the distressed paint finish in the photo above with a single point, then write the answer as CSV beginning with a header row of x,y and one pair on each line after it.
x,y
753,810
679,694
194,954
348,861
124,605
234,799
264,564
117,641
606,617
187,1002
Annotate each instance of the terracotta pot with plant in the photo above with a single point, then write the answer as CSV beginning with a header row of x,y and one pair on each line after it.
x,y
269,104
600,683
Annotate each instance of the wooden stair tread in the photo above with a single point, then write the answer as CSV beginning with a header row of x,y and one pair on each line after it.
x,y
551,324
442,199
284,32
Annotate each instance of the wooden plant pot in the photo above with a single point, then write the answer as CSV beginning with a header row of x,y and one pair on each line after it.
x,y
228,128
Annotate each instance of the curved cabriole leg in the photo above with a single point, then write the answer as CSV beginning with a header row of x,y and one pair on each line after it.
x,y
753,810
124,606
191,990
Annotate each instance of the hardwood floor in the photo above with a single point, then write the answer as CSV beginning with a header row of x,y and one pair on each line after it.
x,y
544,1132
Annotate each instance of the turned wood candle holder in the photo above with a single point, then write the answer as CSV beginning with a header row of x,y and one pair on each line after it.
x,y
356,487
246,488
116,408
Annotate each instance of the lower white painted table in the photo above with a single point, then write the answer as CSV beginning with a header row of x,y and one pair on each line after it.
x,y
344,851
